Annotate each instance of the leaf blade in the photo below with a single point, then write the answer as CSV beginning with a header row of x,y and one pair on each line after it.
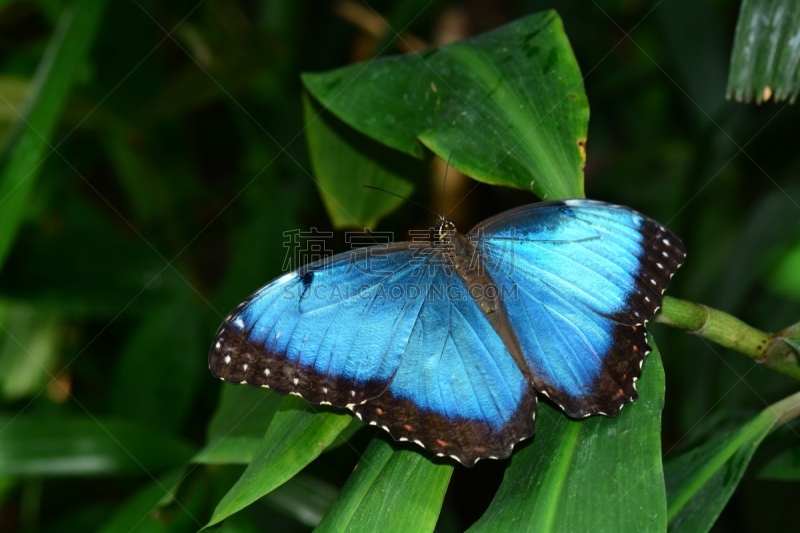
x,y
390,490
298,433
701,481
765,63
502,131
337,153
50,88
601,474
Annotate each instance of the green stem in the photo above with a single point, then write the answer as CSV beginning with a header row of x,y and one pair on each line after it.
x,y
775,351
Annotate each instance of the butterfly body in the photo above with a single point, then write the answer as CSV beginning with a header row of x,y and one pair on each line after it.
x,y
446,343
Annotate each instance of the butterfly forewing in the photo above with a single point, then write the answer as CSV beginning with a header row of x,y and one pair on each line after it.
x,y
589,276
330,332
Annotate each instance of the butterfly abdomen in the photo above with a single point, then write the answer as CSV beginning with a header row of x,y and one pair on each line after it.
x,y
470,267
465,259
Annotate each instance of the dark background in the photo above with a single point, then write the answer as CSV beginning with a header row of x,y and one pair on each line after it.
x,y
180,160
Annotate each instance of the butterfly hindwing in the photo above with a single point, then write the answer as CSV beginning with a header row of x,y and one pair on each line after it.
x,y
457,391
582,278
391,333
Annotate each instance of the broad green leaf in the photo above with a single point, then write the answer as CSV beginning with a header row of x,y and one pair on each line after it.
x,y
344,161
297,435
238,426
509,103
765,63
33,445
22,154
600,474
701,481
29,343
390,490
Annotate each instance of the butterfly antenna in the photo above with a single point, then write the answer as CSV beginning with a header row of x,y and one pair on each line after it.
x,y
403,197
444,181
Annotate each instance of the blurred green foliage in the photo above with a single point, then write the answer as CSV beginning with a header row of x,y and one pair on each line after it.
x,y
766,53
154,153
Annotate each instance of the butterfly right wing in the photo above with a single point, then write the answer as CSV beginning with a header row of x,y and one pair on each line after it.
x,y
580,280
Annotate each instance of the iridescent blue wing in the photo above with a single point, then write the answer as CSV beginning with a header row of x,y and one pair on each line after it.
x,y
457,390
391,333
579,279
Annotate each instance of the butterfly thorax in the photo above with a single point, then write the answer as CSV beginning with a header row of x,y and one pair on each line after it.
x,y
463,256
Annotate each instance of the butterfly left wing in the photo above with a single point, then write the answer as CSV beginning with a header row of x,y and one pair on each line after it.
x,y
328,332
391,333
579,279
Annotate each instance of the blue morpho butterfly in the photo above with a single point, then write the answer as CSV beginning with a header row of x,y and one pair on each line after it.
x,y
446,343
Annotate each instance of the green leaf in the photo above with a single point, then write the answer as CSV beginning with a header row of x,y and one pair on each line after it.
x,y
77,446
601,474
22,155
345,160
237,429
390,490
701,481
29,343
509,103
304,497
297,435
766,52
